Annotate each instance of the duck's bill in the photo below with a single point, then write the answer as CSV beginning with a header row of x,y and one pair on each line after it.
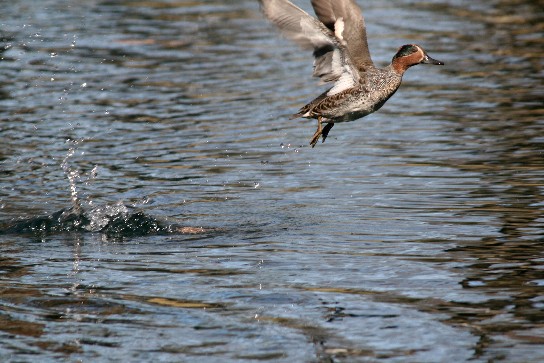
x,y
429,60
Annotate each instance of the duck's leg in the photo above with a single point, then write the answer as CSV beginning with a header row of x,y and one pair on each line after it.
x,y
318,133
325,131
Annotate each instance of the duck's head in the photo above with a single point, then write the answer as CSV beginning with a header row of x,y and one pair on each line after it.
x,y
409,55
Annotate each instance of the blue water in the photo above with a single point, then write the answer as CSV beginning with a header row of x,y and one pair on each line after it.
x,y
414,234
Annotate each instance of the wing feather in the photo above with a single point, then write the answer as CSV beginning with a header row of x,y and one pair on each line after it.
x,y
332,59
353,27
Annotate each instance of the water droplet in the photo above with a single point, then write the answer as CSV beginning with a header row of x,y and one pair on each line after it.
x,y
94,172
475,283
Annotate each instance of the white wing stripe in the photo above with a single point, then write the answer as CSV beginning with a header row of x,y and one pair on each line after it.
x,y
347,78
339,29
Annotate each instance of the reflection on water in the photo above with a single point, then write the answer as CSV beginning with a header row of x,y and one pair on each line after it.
x,y
414,237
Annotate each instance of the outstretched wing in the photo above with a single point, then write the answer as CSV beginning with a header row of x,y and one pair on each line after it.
x,y
332,62
345,17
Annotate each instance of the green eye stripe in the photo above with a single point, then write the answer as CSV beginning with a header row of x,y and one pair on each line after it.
x,y
406,50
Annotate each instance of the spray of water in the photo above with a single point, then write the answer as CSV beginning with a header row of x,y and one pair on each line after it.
x,y
115,219
72,176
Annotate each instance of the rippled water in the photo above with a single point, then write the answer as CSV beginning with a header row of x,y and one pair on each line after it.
x,y
414,234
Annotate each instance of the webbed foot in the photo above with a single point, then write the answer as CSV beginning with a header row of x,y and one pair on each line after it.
x,y
318,133
325,131
322,132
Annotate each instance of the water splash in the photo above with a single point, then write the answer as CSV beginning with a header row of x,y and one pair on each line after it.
x,y
115,220
72,175
75,177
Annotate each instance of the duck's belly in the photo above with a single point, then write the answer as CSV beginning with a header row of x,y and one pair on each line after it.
x,y
353,108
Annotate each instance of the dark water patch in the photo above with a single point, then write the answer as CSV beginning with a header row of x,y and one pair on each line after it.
x,y
113,221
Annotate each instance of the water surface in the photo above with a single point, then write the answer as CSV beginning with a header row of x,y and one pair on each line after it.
x,y
414,234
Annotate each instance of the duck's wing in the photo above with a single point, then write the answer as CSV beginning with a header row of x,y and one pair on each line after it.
x,y
345,18
332,59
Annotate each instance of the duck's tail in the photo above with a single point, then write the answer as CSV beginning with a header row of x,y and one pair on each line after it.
x,y
303,112
296,115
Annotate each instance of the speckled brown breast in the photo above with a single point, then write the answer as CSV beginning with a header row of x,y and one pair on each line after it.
x,y
354,103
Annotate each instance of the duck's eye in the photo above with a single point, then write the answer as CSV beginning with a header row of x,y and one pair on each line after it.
x,y
406,50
